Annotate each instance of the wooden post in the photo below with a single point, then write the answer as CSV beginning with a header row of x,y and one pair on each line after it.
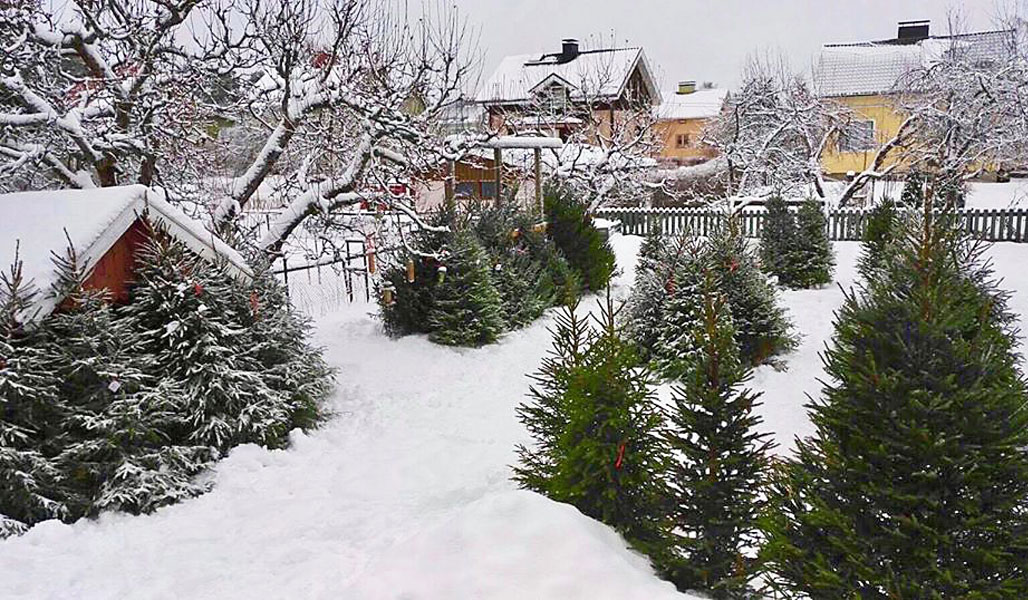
x,y
498,160
449,176
539,179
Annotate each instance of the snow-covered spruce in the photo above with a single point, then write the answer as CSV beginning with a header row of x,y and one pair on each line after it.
x,y
139,399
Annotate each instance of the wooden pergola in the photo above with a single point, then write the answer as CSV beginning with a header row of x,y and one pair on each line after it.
x,y
509,142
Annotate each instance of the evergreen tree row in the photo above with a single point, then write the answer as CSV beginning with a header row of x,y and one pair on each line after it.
x,y
915,484
681,485
120,407
794,246
493,269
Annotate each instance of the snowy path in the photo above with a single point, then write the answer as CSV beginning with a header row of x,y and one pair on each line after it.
x,y
404,494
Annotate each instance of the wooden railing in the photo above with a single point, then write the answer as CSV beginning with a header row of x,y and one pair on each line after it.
x,y
847,224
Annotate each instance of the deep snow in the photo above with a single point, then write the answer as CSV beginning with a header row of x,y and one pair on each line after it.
x,y
405,492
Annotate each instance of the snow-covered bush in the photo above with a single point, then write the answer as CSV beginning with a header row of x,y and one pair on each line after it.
x,y
915,482
466,307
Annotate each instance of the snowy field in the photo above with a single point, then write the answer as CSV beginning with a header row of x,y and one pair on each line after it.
x,y
405,492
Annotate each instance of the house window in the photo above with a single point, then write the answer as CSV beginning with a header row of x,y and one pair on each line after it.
x,y
488,189
682,140
465,189
858,136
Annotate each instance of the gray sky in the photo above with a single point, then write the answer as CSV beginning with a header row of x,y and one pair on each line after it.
x,y
703,40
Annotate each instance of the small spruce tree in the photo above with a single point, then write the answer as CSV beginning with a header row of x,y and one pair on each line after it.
x,y
466,307
608,458
882,227
721,461
29,409
811,257
675,344
571,228
777,236
915,484
762,329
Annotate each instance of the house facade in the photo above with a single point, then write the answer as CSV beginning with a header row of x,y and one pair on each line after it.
x,y
562,93
682,118
868,79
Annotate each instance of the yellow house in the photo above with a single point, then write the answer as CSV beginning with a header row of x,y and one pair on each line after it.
x,y
681,120
866,78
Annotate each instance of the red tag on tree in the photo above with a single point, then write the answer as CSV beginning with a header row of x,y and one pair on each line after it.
x,y
197,288
254,302
621,456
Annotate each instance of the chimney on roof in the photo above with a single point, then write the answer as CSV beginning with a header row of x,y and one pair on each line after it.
x,y
686,87
568,50
912,31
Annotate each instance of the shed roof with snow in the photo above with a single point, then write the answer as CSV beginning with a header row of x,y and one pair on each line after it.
x,y
98,223
605,74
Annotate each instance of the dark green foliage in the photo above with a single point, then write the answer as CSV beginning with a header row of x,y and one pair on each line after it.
x,y
571,228
545,417
761,327
881,229
596,424
811,257
777,237
913,189
795,246
466,308
721,461
915,484
524,268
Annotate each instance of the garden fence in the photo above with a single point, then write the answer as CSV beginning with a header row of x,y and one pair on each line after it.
x,y
846,224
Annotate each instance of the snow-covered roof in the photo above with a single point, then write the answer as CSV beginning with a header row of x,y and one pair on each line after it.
x,y
604,73
40,224
701,104
870,68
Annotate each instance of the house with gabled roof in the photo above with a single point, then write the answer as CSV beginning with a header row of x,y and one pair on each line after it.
x,y
106,227
869,77
558,93
682,119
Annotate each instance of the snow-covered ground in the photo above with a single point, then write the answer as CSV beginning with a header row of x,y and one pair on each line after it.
x,y
405,492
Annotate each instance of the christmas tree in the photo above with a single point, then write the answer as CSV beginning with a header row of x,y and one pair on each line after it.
x,y
777,237
762,329
676,344
811,257
571,229
881,229
915,484
655,284
602,451
466,307
29,407
721,461
545,415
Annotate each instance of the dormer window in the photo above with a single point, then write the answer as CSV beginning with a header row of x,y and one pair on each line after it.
x,y
554,98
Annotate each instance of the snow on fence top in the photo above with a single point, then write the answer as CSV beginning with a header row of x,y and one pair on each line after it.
x,y
39,225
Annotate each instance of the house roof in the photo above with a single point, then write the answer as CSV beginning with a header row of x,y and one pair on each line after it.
x,y
603,73
878,67
701,104
40,224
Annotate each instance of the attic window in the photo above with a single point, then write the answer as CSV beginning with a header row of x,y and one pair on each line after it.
x,y
553,98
